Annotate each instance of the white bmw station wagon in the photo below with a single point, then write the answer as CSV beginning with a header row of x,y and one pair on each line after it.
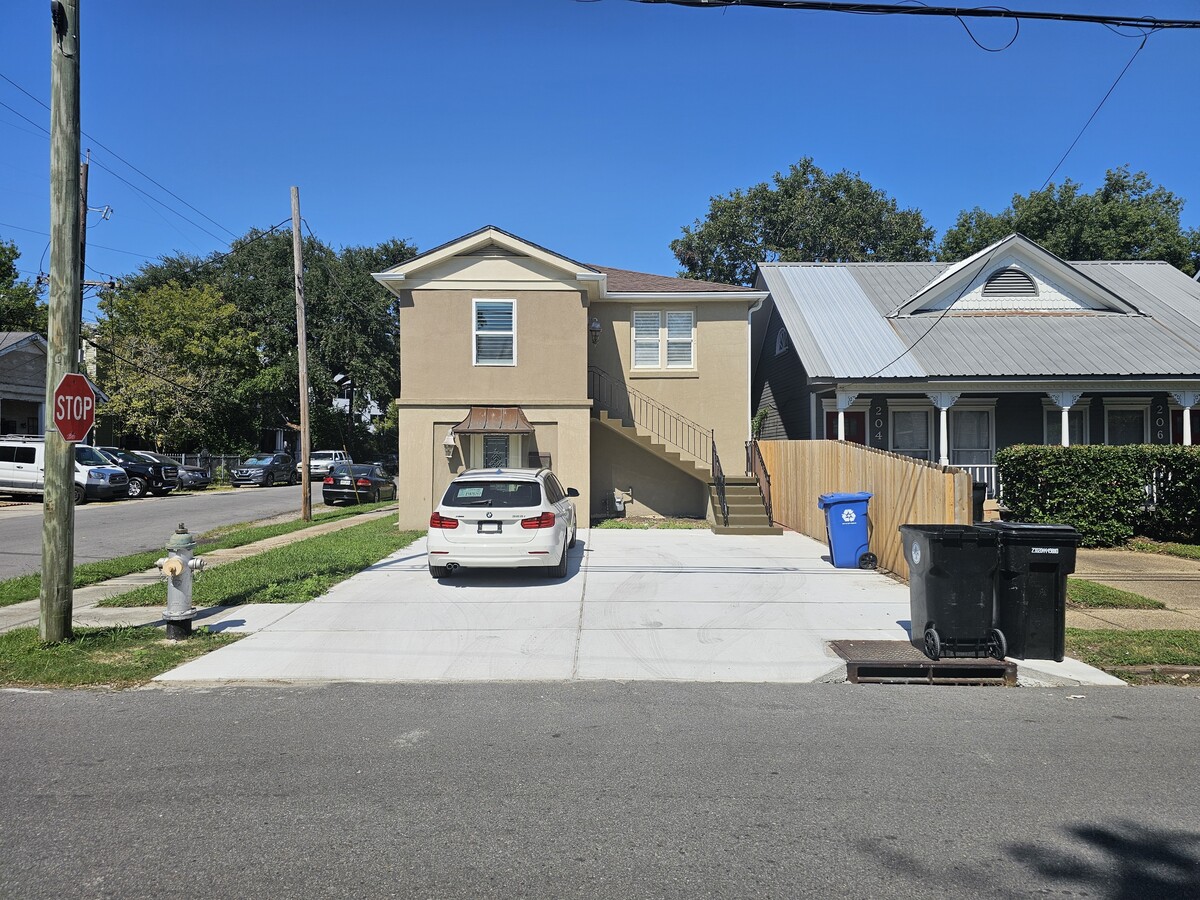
x,y
503,518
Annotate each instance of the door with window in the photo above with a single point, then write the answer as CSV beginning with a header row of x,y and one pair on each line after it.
x,y
856,426
495,451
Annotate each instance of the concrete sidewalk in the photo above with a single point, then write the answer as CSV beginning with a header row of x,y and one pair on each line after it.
x,y
1168,579
86,614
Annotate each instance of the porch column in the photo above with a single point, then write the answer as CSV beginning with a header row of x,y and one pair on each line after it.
x,y
844,400
943,400
1064,400
1187,399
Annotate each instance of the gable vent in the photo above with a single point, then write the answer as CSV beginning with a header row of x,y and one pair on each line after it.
x,y
493,250
1010,282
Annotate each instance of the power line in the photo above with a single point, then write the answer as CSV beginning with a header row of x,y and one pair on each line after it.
x,y
130,363
955,12
90,244
107,149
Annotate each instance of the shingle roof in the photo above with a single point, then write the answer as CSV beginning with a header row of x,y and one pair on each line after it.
x,y
623,281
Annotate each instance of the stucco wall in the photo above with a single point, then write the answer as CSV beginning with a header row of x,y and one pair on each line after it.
x,y
658,488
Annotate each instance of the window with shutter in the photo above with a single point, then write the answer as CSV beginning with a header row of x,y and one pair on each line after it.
x,y
495,333
679,340
646,349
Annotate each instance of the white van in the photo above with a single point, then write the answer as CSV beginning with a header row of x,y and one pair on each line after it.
x,y
23,465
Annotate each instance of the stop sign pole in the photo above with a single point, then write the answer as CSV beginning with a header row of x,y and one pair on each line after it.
x,y
62,333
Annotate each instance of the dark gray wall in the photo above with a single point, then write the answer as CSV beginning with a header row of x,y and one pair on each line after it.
x,y
780,385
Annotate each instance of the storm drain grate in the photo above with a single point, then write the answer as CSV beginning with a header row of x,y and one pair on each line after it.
x,y
898,662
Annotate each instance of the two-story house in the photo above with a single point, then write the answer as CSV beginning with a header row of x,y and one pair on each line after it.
x,y
633,388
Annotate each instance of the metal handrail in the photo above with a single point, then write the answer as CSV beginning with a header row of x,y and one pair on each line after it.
x,y
719,480
630,404
757,466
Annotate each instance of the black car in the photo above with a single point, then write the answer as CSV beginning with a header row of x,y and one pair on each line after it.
x,y
265,469
145,472
190,477
357,483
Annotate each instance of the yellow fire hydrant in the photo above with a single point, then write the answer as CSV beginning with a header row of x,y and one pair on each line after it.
x,y
178,566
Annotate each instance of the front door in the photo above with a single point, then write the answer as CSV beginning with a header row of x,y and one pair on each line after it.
x,y
856,427
495,451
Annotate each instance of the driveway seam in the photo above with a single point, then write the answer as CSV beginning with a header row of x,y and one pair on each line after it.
x,y
583,570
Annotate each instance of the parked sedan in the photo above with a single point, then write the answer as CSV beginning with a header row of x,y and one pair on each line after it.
x,y
357,483
265,469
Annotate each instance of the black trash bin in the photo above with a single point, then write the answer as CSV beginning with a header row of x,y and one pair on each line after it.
x,y
1031,587
951,590
978,497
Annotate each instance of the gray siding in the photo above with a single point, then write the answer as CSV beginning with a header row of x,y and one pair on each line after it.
x,y
780,385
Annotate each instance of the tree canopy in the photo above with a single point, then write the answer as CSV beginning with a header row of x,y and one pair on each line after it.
x,y
805,215
1128,217
223,327
21,306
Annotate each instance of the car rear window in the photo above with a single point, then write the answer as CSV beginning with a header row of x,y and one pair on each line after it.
x,y
498,493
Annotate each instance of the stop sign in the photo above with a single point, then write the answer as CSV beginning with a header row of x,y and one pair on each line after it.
x,y
74,407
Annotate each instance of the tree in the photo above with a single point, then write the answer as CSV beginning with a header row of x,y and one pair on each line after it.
x,y
21,308
803,216
1128,217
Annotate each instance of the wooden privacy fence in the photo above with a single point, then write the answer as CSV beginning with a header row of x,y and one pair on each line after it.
x,y
904,491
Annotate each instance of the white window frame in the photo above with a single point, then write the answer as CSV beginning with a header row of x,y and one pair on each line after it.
x,y
1140,404
1082,407
475,332
973,404
663,342
912,405
781,341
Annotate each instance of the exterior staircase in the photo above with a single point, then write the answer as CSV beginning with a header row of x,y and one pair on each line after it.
x,y
747,512
737,503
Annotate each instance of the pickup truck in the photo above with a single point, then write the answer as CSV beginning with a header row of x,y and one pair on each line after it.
x,y
145,473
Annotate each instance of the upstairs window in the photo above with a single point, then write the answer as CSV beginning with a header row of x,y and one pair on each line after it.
x,y
652,329
1010,282
495,333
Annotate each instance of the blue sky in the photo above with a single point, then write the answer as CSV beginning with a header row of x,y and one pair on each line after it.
x,y
595,129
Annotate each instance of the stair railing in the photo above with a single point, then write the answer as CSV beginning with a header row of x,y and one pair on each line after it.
x,y
757,467
719,480
630,405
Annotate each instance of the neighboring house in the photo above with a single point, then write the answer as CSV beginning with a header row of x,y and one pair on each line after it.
x,y
949,362
22,382
621,382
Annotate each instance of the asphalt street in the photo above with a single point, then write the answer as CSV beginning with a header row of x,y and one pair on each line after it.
x,y
104,530
600,790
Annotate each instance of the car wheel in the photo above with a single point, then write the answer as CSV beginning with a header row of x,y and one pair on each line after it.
x,y
574,535
137,487
80,495
269,481
375,495
438,571
328,501
293,478
560,570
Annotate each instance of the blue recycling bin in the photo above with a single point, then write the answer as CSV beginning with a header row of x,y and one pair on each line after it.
x,y
846,525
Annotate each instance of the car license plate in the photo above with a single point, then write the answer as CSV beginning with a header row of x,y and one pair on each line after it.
x,y
345,481
489,527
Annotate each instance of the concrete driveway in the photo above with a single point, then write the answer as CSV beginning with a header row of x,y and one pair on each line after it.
x,y
662,605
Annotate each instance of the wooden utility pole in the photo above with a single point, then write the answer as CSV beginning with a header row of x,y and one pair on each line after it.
x,y
62,357
302,356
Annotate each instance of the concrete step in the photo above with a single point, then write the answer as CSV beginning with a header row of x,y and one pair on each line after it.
x,y
766,529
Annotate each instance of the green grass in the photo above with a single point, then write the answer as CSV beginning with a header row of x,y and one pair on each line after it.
x,y
1145,545
1112,650
645,522
27,587
98,657
1091,595
294,573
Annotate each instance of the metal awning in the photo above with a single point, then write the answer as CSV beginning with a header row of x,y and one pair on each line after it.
x,y
494,420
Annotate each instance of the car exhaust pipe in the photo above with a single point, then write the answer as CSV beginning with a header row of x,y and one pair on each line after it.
x,y
452,567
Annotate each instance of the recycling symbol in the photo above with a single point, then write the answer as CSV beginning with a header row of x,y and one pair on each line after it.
x,y
848,516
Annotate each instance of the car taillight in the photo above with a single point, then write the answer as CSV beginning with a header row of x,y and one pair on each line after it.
x,y
545,520
328,479
363,482
439,521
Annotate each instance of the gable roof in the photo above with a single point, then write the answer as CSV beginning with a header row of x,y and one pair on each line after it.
x,y
844,320
622,281
13,340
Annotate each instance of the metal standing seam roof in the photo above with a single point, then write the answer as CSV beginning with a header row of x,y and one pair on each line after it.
x,y
494,420
817,306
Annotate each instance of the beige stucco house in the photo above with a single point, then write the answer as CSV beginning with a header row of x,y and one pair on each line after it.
x,y
633,388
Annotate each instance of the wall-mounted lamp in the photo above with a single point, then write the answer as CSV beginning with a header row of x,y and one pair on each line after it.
x,y
594,330
448,444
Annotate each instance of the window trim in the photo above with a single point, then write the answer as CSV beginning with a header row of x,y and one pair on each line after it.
x,y
973,404
1140,404
475,331
911,405
663,342
1082,406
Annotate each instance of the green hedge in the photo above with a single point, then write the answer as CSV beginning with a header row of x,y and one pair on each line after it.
x,y
1104,491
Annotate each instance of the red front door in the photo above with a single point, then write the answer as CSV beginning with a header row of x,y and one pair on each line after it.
x,y
856,427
